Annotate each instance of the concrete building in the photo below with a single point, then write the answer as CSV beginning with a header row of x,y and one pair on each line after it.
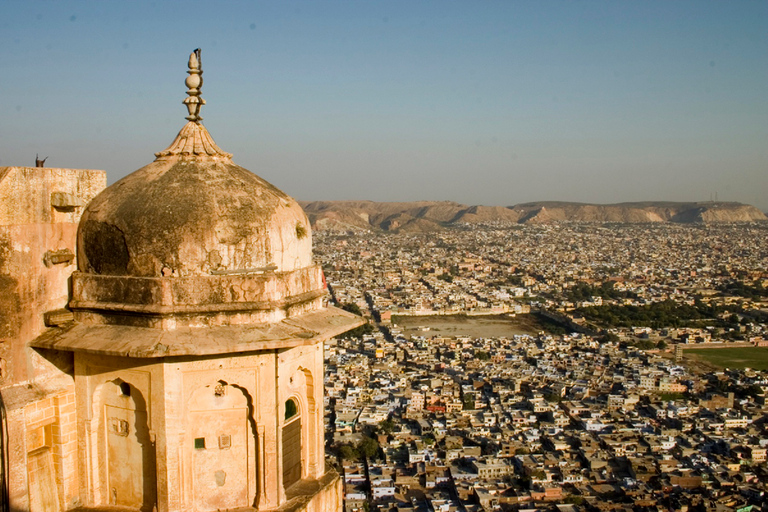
x,y
186,372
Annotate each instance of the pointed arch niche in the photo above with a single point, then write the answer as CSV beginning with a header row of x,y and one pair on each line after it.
x,y
124,466
292,452
301,435
219,448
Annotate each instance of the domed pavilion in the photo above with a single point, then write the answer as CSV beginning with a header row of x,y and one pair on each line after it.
x,y
199,322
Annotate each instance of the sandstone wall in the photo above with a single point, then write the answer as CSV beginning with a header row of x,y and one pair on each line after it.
x,y
39,212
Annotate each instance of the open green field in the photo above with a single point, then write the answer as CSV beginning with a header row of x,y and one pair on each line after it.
x,y
741,357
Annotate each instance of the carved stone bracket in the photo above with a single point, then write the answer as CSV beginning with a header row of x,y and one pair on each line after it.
x,y
58,317
52,258
65,202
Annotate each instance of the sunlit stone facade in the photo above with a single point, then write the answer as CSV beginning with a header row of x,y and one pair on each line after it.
x,y
186,372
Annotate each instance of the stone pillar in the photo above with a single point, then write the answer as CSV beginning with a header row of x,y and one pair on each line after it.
x,y
269,416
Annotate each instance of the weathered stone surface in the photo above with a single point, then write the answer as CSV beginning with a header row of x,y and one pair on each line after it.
x,y
198,314
32,235
65,201
188,214
38,387
196,317
60,257
140,342
196,300
58,317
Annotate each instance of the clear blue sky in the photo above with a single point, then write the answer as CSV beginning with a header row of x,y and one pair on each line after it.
x,y
481,102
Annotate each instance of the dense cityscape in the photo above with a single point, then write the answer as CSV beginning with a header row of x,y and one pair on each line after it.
x,y
552,367
500,256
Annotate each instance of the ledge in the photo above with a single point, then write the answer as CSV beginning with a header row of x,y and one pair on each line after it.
x,y
170,310
299,496
302,493
143,342
168,295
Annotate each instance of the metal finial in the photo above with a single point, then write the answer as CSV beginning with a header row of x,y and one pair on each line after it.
x,y
194,82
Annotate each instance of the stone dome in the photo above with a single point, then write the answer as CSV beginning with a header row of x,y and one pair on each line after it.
x,y
194,240
192,212
195,255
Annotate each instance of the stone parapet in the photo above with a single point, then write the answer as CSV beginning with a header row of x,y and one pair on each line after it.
x,y
229,299
140,342
321,495
39,212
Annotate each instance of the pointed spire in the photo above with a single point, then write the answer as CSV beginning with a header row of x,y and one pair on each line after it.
x,y
194,140
194,82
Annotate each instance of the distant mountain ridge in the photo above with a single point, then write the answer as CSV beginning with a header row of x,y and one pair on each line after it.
x,y
422,216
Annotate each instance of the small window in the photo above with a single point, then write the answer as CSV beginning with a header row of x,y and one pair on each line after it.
x,y
290,409
225,442
125,389
199,443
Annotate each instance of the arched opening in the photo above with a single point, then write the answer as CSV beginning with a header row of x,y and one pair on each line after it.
x,y
128,450
291,409
291,443
220,448
313,431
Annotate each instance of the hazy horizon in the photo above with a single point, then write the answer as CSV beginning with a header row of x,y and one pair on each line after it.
x,y
493,103
519,203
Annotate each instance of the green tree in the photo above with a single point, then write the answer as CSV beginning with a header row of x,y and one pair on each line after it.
x,y
352,308
644,344
754,391
357,332
387,426
348,452
368,447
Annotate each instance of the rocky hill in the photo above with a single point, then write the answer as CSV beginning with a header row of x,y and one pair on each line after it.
x,y
424,216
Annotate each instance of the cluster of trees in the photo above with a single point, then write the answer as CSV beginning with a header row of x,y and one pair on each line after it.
x,y
648,344
357,332
550,325
368,446
584,291
482,355
740,289
657,315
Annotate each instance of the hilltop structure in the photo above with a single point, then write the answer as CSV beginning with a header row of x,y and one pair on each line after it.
x,y
186,372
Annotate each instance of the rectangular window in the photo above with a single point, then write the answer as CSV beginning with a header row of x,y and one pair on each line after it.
x,y
199,443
